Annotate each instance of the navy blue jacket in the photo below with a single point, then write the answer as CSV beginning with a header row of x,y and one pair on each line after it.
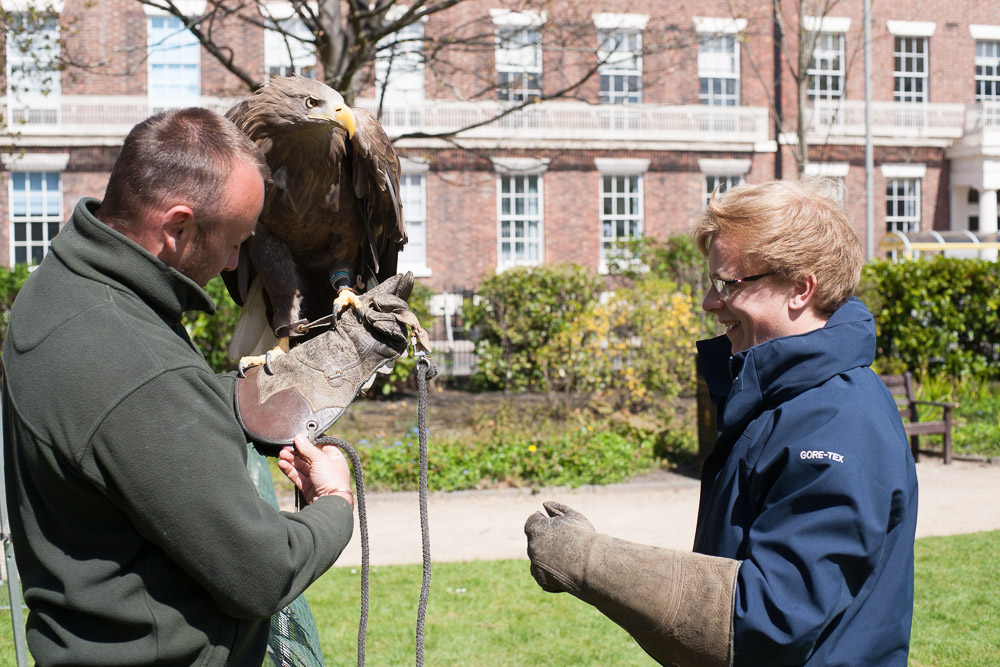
x,y
812,486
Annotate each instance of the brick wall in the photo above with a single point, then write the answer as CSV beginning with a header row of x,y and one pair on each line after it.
x,y
462,249
572,227
109,39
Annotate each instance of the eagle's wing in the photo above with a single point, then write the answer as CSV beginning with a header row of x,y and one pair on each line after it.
x,y
376,183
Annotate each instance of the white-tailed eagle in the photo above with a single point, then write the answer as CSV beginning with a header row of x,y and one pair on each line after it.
x,y
332,218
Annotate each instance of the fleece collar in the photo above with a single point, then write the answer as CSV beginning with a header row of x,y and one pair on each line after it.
x,y
93,250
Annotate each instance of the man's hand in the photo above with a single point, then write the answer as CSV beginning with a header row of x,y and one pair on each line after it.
x,y
558,546
316,472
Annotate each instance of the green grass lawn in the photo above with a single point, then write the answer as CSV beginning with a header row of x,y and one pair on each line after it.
x,y
481,613
956,607
492,613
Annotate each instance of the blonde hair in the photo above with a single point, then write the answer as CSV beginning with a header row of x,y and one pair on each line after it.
x,y
791,228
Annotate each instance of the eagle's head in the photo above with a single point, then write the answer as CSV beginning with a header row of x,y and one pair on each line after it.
x,y
302,103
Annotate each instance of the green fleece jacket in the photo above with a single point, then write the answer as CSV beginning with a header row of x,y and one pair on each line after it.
x,y
139,535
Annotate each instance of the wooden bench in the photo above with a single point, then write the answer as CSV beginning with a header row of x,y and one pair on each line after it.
x,y
901,388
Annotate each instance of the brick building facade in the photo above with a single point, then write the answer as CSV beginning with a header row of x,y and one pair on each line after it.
x,y
682,97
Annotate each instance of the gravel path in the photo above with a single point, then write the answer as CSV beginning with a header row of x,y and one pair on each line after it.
x,y
659,509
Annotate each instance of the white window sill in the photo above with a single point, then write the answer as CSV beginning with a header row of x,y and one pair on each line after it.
x,y
419,271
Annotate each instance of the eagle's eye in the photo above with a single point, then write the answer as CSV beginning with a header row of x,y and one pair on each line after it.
x,y
312,102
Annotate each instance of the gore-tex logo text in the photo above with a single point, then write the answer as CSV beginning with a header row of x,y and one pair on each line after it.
x,y
814,454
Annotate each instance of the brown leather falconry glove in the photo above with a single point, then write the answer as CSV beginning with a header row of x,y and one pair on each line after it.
x,y
310,387
678,606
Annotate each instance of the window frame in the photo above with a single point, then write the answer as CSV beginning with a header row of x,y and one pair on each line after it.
x,y
33,87
919,80
909,222
822,55
835,173
400,72
181,41
707,94
527,74
45,220
620,60
286,51
507,64
510,220
982,77
610,243
413,257
730,180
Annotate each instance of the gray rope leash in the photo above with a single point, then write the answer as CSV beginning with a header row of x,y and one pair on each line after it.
x,y
425,370
359,481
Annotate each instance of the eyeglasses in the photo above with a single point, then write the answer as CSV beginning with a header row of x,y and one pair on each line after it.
x,y
721,285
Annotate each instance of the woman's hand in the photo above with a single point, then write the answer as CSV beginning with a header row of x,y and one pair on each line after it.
x,y
316,472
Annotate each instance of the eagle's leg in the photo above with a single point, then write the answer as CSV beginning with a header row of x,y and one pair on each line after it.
x,y
346,296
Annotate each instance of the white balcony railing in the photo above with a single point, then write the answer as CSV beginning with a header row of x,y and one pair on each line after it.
x,y
846,118
101,115
104,115
983,116
577,121
86,115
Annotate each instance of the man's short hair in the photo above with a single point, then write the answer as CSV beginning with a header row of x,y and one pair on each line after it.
x,y
793,228
177,156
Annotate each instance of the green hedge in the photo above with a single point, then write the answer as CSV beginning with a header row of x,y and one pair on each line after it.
x,y
11,281
211,333
519,311
935,316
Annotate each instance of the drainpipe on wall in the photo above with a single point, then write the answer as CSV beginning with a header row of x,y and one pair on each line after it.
x,y
869,150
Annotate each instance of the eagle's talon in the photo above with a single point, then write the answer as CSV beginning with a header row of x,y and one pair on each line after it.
x,y
347,298
267,360
264,359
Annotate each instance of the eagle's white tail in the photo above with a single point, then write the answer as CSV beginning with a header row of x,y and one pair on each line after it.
x,y
252,334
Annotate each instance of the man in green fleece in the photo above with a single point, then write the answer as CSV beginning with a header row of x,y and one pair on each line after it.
x,y
139,534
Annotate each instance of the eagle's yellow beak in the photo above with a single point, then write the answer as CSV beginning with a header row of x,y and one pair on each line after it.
x,y
342,117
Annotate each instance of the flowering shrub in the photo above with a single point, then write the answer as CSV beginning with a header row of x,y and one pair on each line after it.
x,y
637,345
545,329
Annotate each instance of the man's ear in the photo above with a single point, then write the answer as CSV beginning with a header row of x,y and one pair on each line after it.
x,y
176,232
803,293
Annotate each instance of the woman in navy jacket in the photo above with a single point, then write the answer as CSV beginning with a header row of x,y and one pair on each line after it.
x,y
803,553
